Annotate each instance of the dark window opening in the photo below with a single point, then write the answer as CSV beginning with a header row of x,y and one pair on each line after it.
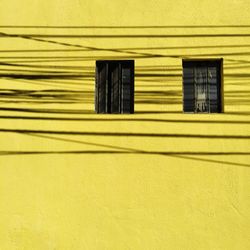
x,y
202,86
114,92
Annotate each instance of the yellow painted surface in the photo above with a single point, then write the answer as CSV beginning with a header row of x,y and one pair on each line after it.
x,y
60,188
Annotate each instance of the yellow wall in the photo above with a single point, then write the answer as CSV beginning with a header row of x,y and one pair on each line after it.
x,y
61,188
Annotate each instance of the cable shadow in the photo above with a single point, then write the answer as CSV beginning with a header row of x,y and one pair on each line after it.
x,y
238,113
126,48
212,161
122,26
43,76
183,155
44,96
125,120
127,134
124,36
46,66
48,111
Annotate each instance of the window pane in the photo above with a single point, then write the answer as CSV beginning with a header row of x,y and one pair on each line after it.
x,y
126,72
115,96
115,86
102,90
202,85
188,89
213,89
201,93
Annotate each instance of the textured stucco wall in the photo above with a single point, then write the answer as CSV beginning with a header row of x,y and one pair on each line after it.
x,y
61,188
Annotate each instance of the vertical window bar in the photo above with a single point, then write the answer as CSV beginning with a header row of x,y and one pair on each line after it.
x,y
119,86
96,89
208,92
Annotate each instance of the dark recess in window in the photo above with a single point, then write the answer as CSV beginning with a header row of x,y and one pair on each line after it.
x,y
114,90
202,85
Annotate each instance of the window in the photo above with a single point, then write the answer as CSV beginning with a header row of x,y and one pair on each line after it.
x,y
202,86
114,87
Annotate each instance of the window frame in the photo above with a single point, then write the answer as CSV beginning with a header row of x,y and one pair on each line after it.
x,y
205,62
124,83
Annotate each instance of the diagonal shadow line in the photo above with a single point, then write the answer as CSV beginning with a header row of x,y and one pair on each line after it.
x,y
138,150
132,151
91,48
129,152
67,44
136,55
82,142
241,53
126,48
149,56
187,47
236,60
45,66
212,161
64,44
81,46
91,59
127,134
57,50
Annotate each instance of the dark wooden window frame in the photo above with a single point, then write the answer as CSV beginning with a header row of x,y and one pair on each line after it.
x,y
114,89
188,85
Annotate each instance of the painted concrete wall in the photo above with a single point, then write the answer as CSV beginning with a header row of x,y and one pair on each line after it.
x,y
158,179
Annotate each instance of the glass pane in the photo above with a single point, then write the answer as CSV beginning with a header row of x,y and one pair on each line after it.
x,y
115,90
201,93
126,90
